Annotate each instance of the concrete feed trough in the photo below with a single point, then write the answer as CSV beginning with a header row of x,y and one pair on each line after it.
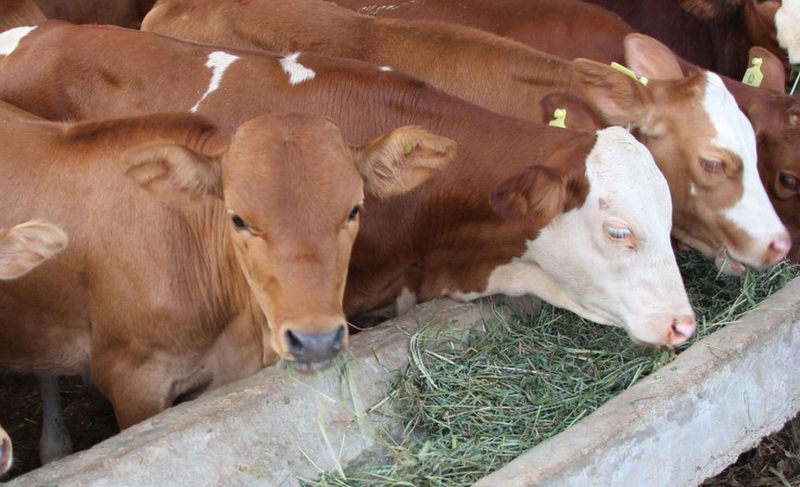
x,y
675,428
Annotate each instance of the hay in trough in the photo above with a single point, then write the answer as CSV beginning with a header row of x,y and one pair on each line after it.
x,y
472,405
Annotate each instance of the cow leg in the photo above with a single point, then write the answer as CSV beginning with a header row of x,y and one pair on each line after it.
x,y
55,442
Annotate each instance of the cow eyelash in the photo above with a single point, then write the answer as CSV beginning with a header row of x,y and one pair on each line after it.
x,y
789,182
713,167
618,233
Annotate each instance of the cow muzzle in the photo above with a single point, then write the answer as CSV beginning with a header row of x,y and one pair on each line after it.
x,y
313,352
665,331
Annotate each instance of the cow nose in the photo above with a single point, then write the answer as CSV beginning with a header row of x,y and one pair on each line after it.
x,y
777,249
682,330
315,347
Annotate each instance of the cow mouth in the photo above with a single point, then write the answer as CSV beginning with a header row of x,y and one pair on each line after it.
x,y
312,367
728,265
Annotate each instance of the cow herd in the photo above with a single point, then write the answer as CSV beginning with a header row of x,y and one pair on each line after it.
x,y
226,186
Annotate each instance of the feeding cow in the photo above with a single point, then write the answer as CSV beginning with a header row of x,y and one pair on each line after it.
x,y
559,27
489,224
698,136
239,259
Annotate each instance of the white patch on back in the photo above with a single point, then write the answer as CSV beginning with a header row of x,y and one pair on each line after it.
x,y
9,40
386,68
753,213
218,61
405,301
787,24
296,71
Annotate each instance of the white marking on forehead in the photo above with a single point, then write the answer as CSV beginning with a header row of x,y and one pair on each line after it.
x,y
753,213
622,171
9,40
405,301
218,61
296,71
386,68
787,24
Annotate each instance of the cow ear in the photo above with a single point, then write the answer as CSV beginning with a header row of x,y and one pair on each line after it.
x,y
617,98
650,58
536,195
771,68
401,160
709,9
579,115
25,246
175,173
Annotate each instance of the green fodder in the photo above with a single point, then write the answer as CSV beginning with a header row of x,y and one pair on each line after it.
x,y
469,409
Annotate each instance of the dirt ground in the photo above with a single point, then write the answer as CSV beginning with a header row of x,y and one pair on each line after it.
x,y
88,415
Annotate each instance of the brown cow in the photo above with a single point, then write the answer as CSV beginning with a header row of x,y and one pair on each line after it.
x,y
239,261
698,136
475,230
559,27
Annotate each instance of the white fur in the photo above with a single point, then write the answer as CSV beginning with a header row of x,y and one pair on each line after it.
x,y
376,9
787,23
753,213
405,301
386,68
10,39
574,265
219,62
296,71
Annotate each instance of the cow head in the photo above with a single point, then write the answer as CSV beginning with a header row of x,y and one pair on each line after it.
x,y
704,146
774,24
290,193
604,251
776,119
6,452
25,246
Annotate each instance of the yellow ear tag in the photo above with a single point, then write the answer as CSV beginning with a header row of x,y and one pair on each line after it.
x,y
407,148
753,75
559,121
629,72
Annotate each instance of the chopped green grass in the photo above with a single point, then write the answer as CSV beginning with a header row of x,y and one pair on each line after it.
x,y
467,410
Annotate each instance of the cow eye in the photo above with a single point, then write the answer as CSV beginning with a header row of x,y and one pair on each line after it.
x,y
354,213
712,166
238,222
789,182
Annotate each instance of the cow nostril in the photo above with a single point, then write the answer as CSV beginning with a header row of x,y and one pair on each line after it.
x,y
682,329
315,347
780,245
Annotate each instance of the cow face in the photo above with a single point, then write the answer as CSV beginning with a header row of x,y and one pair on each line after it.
x,y
25,246
6,452
776,119
704,146
606,253
293,192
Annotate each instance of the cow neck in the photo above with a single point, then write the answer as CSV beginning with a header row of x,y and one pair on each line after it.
x,y
444,238
201,242
519,76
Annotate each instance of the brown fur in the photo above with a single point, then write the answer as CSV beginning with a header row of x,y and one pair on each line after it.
x,y
561,27
124,13
19,13
493,72
444,235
